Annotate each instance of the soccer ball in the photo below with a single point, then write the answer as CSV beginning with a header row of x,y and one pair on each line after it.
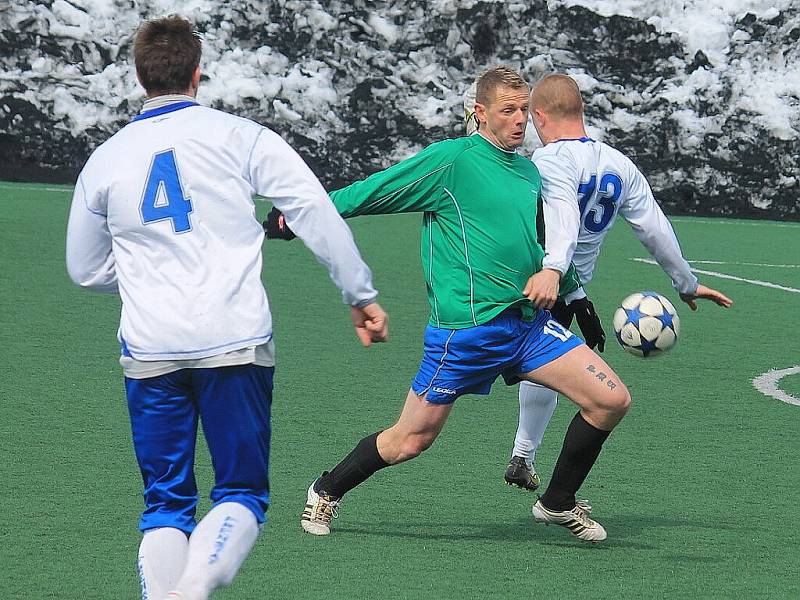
x,y
646,324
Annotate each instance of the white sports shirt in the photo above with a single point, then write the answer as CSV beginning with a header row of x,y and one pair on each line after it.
x,y
585,184
163,213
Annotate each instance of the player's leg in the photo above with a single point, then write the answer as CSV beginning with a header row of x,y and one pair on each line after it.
x,y
587,380
536,407
217,549
162,557
455,362
419,424
235,404
164,428
559,360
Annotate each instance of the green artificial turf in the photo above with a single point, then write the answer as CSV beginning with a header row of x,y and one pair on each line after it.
x,y
697,487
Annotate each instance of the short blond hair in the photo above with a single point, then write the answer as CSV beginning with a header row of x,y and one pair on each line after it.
x,y
558,96
496,77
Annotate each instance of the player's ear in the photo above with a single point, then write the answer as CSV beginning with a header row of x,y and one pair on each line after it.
x,y
196,78
480,112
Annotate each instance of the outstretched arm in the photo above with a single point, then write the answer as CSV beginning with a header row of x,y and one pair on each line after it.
x,y
412,185
655,232
278,173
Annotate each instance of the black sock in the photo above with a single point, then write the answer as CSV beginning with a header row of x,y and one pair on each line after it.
x,y
582,445
353,469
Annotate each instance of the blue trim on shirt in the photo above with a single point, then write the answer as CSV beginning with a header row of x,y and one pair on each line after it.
x,y
581,139
163,110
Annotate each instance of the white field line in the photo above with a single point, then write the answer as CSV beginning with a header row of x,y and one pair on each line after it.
x,y
767,384
767,284
10,186
741,264
750,223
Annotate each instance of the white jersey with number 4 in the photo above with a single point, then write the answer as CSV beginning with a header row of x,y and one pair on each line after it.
x,y
585,184
163,212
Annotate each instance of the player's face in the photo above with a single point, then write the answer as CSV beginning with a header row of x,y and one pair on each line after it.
x,y
503,120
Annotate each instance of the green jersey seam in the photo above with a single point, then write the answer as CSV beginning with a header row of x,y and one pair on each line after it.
x,y
408,185
466,256
430,269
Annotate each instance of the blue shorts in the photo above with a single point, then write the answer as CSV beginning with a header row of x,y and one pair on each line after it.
x,y
233,404
467,361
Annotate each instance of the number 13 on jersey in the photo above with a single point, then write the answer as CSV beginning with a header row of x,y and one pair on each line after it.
x,y
163,196
597,215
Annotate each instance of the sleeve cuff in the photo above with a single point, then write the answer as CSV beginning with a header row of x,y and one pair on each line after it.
x,y
554,265
363,303
688,287
575,295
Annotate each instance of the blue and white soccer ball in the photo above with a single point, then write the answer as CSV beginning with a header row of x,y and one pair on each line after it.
x,y
646,324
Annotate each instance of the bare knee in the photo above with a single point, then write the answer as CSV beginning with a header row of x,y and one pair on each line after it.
x,y
416,444
621,401
607,409
613,406
403,447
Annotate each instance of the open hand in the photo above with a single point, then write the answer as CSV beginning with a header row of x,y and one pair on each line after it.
x,y
706,293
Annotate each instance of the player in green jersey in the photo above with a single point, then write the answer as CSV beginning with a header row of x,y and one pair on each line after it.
x,y
489,298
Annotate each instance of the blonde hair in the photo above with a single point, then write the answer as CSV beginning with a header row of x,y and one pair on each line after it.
x,y
558,96
496,77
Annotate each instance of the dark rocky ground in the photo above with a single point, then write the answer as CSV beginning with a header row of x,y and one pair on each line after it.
x,y
735,164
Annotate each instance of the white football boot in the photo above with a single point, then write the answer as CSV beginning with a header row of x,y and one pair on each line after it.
x,y
319,510
576,520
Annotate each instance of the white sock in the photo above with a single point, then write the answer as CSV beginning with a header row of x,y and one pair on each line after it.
x,y
536,406
217,548
162,557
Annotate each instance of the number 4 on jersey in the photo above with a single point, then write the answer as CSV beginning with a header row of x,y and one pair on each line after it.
x,y
163,194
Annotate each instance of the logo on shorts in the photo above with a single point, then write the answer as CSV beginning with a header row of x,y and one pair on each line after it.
x,y
444,391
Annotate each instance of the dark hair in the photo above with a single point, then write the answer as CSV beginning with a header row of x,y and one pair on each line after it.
x,y
166,53
496,77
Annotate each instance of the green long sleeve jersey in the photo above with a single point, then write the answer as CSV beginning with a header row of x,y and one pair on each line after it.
x,y
478,243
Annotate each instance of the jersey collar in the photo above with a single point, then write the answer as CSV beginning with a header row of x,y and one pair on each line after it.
x,y
162,110
497,150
